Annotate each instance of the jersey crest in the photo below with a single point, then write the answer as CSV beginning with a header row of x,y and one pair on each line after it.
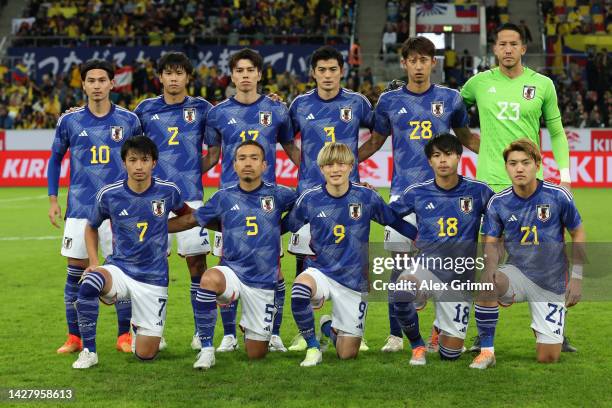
x,y
437,108
346,114
466,204
117,133
158,207
529,92
265,118
543,211
355,211
267,204
189,114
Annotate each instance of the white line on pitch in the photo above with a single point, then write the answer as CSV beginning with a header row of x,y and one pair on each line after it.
x,y
10,200
42,238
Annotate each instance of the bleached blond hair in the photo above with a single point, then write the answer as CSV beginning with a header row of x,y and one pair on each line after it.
x,y
335,153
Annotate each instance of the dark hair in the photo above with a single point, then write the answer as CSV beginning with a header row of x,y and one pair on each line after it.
x,y
418,45
445,142
97,64
248,54
326,53
511,27
250,143
173,60
139,144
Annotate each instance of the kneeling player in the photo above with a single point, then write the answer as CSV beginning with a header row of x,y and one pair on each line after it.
x,y
339,213
138,269
250,214
531,216
448,211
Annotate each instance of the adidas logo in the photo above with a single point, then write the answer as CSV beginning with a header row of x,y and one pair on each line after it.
x,y
123,213
430,206
321,215
512,218
83,133
359,326
267,328
492,90
403,110
155,117
160,323
232,121
235,208
310,116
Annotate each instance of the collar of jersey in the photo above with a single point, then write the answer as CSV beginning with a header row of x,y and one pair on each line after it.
x,y
342,196
110,112
449,190
409,92
233,98
174,104
252,191
316,93
537,190
499,73
132,192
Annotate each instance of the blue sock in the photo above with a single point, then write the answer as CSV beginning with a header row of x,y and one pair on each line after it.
x,y
448,353
303,314
394,325
124,316
329,332
486,321
279,304
228,317
206,315
195,284
87,307
71,292
407,316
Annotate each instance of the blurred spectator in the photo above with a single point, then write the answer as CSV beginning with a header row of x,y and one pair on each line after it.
x,y
450,63
389,40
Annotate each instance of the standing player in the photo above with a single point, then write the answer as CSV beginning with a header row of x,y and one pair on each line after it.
x,y
176,121
339,213
327,114
248,116
448,212
250,214
532,217
413,114
94,134
138,269
511,99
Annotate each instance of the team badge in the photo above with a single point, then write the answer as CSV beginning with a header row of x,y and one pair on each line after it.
x,y
437,109
265,118
466,204
67,243
189,114
267,204
158,207
346,114
355,211
543,211
529,92
117,133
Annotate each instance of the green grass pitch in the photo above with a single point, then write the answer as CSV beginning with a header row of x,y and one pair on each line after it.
x,y
32,276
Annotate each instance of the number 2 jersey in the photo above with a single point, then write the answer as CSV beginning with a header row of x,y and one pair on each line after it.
x,y
95,152
178,131
533,229
139,222
251,226
413,119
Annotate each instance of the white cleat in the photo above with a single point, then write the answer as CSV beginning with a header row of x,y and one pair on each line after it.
x,y
418,356
229,343
393,344
313,357
196,344
86,359
484,360
205,359
276,344
298,343
363,346
162,344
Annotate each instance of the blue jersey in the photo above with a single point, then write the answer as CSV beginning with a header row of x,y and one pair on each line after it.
x,y
251,226
139,223
448,223
533,231
340,230
231,122
95,152
178,131
413,119
323,121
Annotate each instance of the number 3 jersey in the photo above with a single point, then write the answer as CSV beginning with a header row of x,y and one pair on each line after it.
x,y
178,131
533,229
95,152
413,119
251,226
139,222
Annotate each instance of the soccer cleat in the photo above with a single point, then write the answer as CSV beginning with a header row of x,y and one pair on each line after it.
x,y
566,347
324,341
205,359
364,345
86,359
313,357
393,344
162,344
229,343
124,343
196,344
433,341
298,343
418,356
276,344
72,345
475,348
483,360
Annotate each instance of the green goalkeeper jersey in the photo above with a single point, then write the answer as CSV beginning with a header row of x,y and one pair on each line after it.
x,y
509,109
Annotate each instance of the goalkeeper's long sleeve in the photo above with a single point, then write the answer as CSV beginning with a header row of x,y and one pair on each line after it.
x,y
558,140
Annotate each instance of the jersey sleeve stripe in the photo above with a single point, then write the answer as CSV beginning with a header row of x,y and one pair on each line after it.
x,y
108,187
301,96
146,100
310,190
413,186
358,94
563,190
167,183
498,195
59,121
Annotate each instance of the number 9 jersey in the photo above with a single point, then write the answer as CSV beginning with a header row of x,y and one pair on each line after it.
x,y
413,119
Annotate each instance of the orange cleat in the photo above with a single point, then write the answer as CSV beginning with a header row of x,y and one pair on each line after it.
x,y
124,342
418,356
433,341
72,345
484,360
